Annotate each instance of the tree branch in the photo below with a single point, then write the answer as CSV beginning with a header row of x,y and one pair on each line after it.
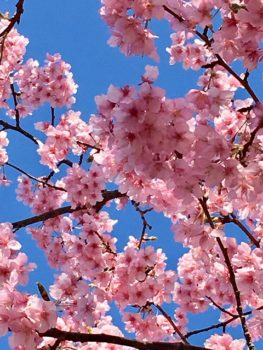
x,y
219,325
107,196
219,307
15,19
44,183
243,82
239,308
232,278
251,140
175,328
52,116
15,104
234,220
145,223
7,126
112,339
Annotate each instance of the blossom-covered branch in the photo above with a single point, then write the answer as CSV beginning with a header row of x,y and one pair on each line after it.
x,y
107,196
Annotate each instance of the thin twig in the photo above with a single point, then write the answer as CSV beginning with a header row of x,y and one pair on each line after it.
x,y
106,245
232,278
87,145
15,104
44,183
233,219
243,82
52,116
209,328
52,173
239,308
251,140
219,307
175,328
219,325
145,224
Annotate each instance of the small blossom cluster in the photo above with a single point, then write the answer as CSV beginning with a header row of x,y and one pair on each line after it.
x,y
144,275
20,313
70,133
148,326
240,35
12,52
52,83
128,29
41,198
84,188
224,342
192,55
3,143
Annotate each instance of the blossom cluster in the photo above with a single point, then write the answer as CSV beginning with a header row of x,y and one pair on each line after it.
x,y
10,59
239,36
52,83
21,313
71,133
3,143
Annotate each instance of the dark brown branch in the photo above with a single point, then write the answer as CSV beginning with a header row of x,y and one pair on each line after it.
x,y
175,328
239,308
7,126
45,216
52,116
179,18
203,202
219,307
15,104
15,19
251,140
107,196
52,173
232,278
112,339
44,183
219,325
145,224
209,328
234,220
55,345
242,81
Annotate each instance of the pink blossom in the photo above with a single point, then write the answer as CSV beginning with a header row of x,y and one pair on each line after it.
x,y
224,342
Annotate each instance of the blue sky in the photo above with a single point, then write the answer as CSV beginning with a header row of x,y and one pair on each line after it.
x,y
74,29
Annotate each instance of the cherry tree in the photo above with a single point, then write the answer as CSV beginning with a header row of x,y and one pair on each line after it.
x,y
197,159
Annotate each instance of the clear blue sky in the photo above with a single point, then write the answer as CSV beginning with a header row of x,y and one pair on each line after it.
x,y
74,29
